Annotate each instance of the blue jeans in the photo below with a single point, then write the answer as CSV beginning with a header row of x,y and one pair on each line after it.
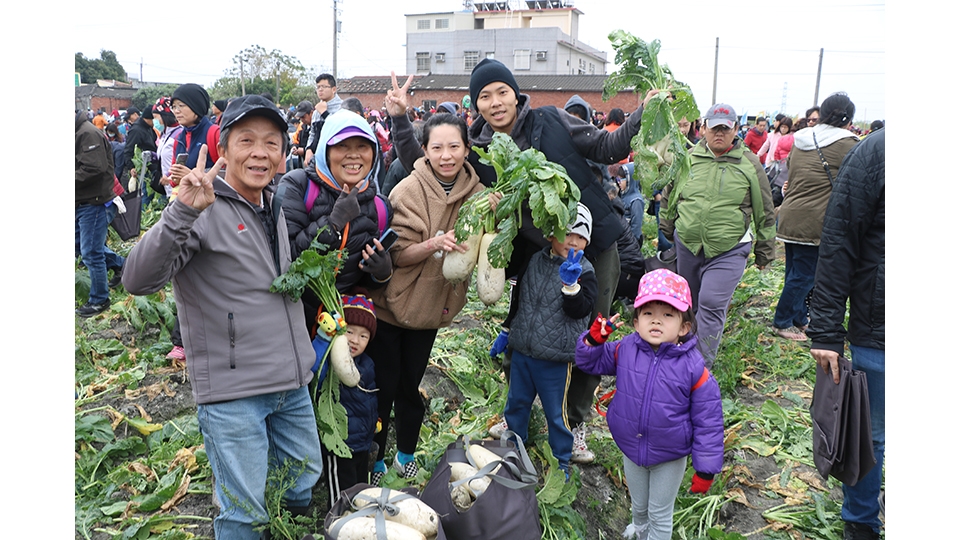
x,y
799,272
529,378
90,241
244,438
860,504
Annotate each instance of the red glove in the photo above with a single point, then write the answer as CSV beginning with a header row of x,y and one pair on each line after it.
x,y
700,484
600,330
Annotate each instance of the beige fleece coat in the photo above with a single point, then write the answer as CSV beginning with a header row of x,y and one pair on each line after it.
x,y
418,296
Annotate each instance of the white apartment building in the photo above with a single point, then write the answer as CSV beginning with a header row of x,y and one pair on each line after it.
x,y
530,37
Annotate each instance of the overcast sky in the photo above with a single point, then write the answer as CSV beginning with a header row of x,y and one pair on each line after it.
x,y
768,50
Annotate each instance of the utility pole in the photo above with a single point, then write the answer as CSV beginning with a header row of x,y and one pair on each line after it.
x,y
276,74
141,70
716,64
243,86
336,29
783,100
816,92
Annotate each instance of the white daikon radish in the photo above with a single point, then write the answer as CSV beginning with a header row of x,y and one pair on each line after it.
x,y
365,528
459,471
458,266
413,512
342,363
490,280
481,456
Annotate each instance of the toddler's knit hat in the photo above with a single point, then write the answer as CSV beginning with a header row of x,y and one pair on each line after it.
x,y
358,310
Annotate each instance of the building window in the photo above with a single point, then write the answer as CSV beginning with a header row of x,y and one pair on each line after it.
x,y
470,59
593,68
423,24
478,24
442,23
423,61
429,104
521,59
489,55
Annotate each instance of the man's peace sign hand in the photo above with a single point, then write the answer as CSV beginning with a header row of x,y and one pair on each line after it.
x,y
196,188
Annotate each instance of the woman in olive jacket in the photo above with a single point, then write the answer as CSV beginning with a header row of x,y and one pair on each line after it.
x,y
809,184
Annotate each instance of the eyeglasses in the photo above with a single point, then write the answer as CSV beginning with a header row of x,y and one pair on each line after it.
x,y
812,120
178,108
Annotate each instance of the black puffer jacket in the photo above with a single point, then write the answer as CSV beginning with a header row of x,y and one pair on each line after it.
x,y
302,226
852,253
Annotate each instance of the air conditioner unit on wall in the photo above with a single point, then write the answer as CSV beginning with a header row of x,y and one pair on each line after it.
x,y
440,57
541,56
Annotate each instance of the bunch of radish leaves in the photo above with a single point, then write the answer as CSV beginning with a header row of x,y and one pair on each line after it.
x,y
660,148
317,268
525,176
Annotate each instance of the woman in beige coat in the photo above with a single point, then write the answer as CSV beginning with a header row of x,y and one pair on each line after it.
x,y
419,300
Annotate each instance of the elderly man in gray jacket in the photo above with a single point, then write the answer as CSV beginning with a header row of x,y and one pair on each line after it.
x,y
249,356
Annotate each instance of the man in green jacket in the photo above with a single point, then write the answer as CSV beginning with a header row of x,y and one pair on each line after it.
x,y
709,216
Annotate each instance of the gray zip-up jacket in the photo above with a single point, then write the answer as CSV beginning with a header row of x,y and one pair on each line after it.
x,y
241,340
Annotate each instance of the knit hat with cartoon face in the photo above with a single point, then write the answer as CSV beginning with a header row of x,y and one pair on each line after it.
x,y
358,310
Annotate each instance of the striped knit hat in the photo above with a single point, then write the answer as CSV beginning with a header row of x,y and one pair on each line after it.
x,y
359,310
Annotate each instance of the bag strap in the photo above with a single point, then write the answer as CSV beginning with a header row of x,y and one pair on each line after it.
x,y
826,166
383,504
382,217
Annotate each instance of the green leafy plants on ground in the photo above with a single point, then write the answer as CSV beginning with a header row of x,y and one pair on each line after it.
x,y
141,470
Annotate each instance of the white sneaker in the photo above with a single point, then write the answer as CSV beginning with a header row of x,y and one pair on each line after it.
x,y
497,429
581,454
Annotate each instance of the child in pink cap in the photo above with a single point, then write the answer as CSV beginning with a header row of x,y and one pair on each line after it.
x,y
667,405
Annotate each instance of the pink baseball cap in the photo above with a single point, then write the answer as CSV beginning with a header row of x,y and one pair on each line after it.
x,y
665,286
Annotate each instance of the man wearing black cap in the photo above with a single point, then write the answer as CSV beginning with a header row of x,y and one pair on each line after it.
x,y
304,114
140,135
129,117
249,357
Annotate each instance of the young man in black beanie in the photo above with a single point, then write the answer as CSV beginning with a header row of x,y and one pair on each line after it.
x,y
565,140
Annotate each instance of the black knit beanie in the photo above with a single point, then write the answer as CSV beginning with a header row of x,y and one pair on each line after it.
x,y
489,71
195,97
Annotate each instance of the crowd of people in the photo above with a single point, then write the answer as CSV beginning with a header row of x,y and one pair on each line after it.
x,y
249,186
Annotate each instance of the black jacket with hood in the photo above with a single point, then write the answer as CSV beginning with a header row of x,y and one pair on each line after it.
x,y
852,254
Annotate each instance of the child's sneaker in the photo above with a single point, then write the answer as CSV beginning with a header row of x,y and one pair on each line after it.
x,y
376,477
496,430
177,354
407,471
581,454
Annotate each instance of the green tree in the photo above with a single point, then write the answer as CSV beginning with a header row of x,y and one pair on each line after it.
x,y
105,67
148,96
263,71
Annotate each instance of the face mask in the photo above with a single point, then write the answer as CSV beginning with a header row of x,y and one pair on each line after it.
x,y
158,124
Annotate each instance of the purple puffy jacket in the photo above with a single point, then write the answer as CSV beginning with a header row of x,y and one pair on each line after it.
x,y
656,414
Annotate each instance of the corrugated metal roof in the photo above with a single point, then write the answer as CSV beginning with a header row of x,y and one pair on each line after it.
x,y
555,83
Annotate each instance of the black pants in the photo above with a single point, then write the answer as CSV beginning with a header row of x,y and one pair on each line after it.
x,y
344,473
400,356
175,336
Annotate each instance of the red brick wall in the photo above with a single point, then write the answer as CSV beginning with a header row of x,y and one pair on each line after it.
x,y
109,104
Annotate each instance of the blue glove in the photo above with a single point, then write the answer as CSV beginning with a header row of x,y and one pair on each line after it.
x,y
500,344
571,269
320,346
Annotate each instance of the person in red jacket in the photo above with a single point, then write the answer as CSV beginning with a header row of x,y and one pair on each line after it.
x,y
756,136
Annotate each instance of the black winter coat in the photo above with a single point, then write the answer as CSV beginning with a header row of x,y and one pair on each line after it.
x,y
852,253
302,226
140,134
